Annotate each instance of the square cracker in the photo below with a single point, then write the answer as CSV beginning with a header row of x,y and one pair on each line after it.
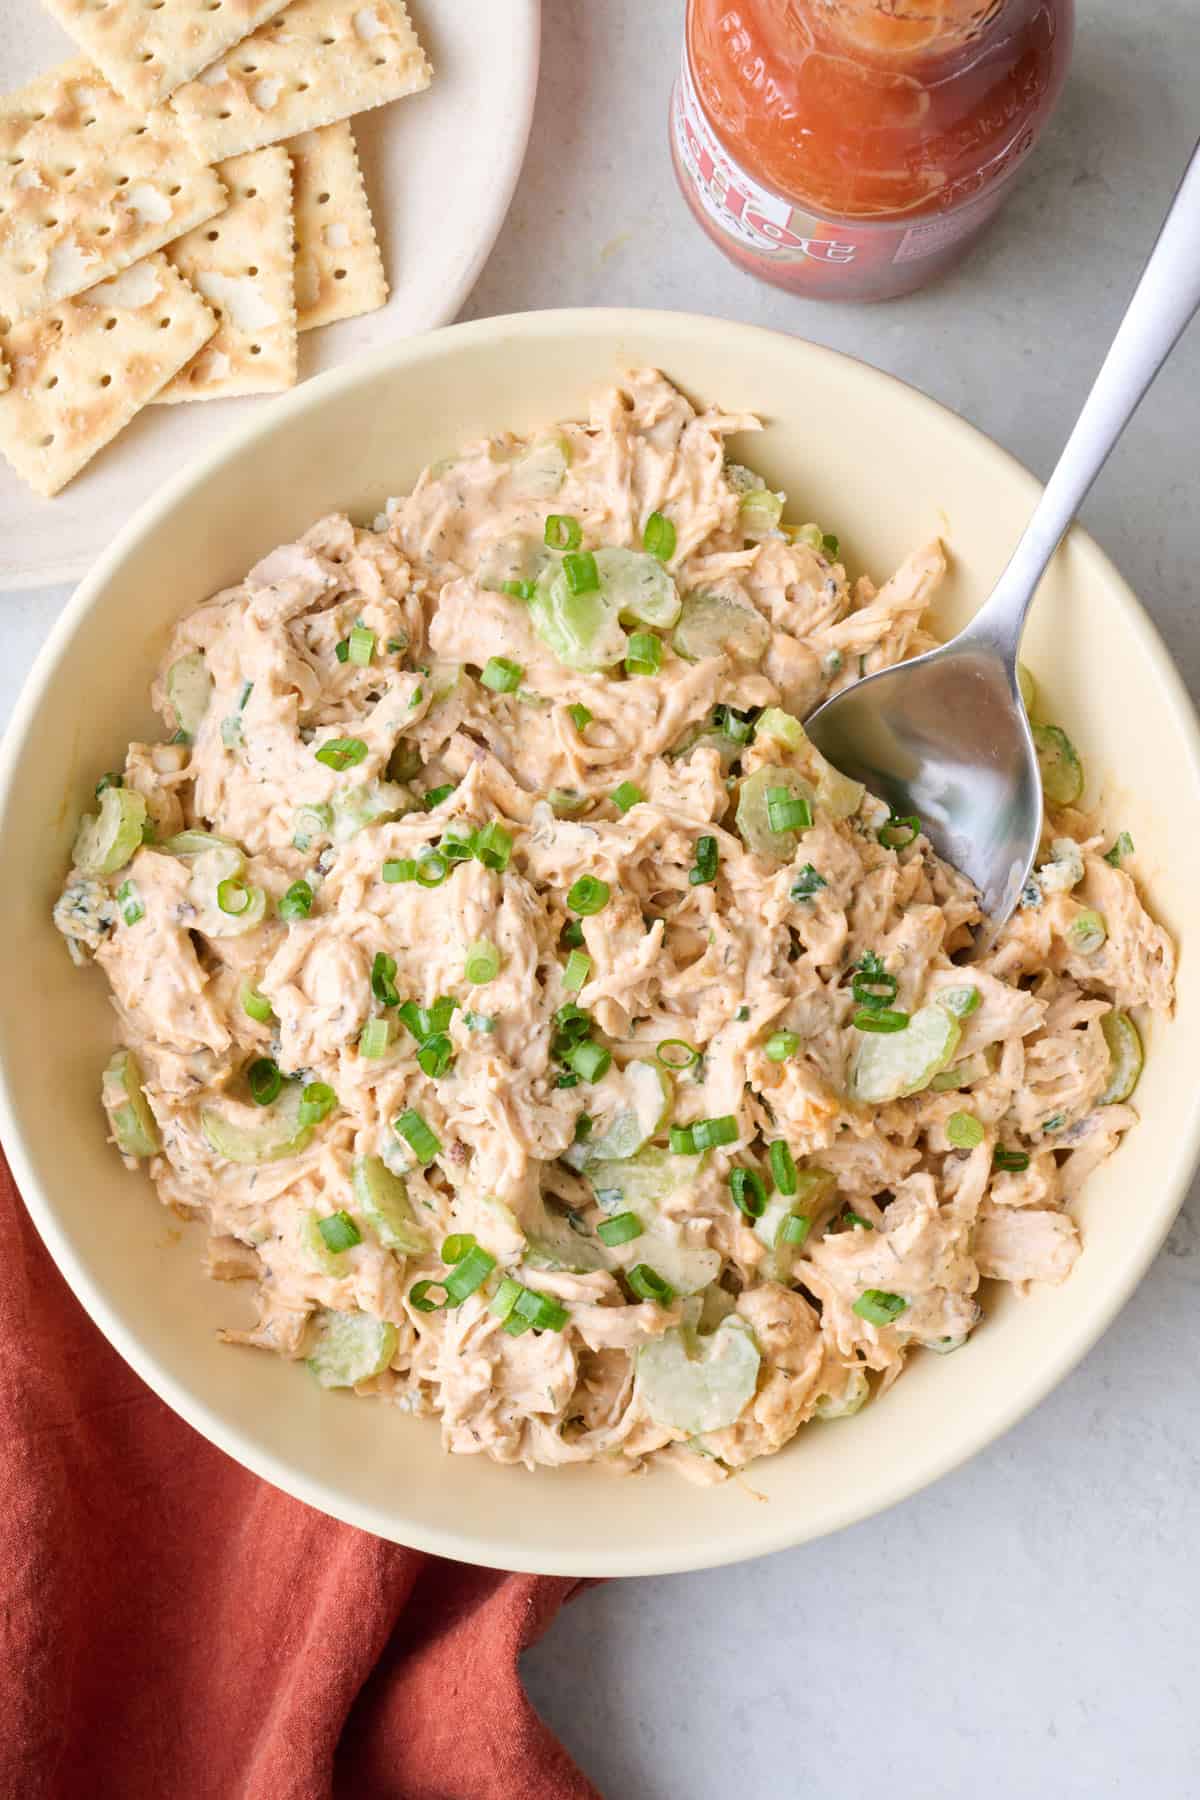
x,y
81,371
88,185
318,61
241,264
146,51
339,271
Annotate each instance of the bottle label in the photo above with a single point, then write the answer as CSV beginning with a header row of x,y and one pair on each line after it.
x,y
777,231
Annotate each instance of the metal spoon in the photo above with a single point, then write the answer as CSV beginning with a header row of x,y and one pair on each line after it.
x,y
946,736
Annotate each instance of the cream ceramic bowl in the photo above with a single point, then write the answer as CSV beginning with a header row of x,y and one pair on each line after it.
x,y
873,460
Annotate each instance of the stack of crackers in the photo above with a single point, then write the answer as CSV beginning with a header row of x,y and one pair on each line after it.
x,y
178,203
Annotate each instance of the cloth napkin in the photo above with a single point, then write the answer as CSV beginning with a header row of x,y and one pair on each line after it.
x,y
170,1626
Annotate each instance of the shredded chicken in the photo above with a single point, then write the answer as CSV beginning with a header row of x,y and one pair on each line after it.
x,y
524,915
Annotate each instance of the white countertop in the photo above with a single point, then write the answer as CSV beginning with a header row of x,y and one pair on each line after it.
x,y
1028,1626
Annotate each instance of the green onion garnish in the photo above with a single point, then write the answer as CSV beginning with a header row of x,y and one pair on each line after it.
x,y
964,1130
731,724
110,779
129,901
264,1080
563,531
677,1054
783,1168
436,795
1122,848
432,869
418,1296
467,1275
478,1022
884,1021
456,1246
659,537
705,867
342,753
872,986
383,979
961,1001
342,650
707,1134
583,1128
793,1229
483,962
1012,1162
589,1060
807,883
255,1005
436,1055
647,1284
787,811
538,1310
852,1221
580,717
683,1141
339,1231
619,1230
749,1192
458,842
626,795
643,654
362,645
375,1037
297,903
579,567
831,545
233,896
317,1101
576,970
899,832
572,935
879,1308
309,822
780,1045
505,1297
493,847
501,675
588,895
399,868
518,590
419,1136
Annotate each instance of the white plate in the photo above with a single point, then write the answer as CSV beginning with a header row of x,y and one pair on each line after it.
x,y
440,170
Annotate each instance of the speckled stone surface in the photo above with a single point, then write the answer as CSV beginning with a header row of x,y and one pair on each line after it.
x,y
1026,1628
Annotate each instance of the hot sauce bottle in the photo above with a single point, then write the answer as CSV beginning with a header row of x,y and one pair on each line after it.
x,y
855,149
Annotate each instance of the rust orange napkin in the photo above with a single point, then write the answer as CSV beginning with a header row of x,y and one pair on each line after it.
x,y
172,1626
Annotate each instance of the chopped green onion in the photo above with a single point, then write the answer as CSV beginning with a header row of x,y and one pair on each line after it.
x,y
478,1022
563,531
707,1134
383,979
1087,931
233,896
852,1221
342,650
780,1045
589,1060
339,1231
647,1284
467,1275
573,1023
627,795
436,795
807,883
436,1056
505,1298
731,724
483,962
265,1080
705,868
110,779
397,646
342,753
255,1005
872,986
793,1229
1011,1162
831,545
683,1141
297,903
742,1014
458,842
129,901
493,847
878,1307
1122,848
501,675
572,934
643,654
418,1296
583,1128
580,717
899,832
518,590
783,1168
375,1037
418,1135
538,1310
362,645
677,1054
961,1001
309,821
749,1192
399,868
416,697
619,1230
317,1101
787,811
659,537
887,1019
456,1246
588,895
964,1130
576,971
579,567
432,869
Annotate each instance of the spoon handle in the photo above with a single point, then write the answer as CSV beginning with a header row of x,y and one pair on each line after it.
x,y
1164,301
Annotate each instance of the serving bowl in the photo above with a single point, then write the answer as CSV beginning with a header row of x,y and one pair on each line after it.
x,y
880,464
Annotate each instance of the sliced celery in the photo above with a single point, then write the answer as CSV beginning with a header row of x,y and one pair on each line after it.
x,y
1058,760
639,586
753,818
277,1135
583,630
351,1347
697,1384
1126,1054
382,1199
888,1066
106,840
190,690
851,1400
717,625
133,1124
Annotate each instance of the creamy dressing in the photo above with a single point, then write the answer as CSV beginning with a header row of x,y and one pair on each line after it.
x,y
750,976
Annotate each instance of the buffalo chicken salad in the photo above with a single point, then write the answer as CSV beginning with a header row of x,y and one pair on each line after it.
x,y
551,1040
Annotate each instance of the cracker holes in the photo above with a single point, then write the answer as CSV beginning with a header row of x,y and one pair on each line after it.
x,y
256,349
224,115
163,324
53,382
249,68
322,199
110,324
212,236
45,443
177,189
106,381
339,274
253,269
302,87
249,193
